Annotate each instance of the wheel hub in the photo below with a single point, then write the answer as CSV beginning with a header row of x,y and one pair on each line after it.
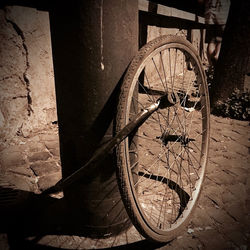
x,y
183,139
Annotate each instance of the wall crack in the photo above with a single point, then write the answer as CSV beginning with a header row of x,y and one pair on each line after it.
x,y
20,33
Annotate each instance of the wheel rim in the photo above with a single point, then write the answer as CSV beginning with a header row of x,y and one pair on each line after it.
x,y
166,156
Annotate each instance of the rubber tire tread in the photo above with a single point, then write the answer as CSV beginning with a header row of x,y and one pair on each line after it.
x,y
122,177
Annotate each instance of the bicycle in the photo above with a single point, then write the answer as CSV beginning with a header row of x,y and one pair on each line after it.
x,y
164,101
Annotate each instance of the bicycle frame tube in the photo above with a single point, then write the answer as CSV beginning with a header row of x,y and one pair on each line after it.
x,y
102,152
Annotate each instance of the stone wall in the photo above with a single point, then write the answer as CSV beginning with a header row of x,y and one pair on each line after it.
x,y
27,92
29,144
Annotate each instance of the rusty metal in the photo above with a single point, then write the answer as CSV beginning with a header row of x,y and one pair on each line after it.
x,y
102,152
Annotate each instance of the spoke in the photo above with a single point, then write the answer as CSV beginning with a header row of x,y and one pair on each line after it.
x,y
151,99
183,111
180,164
199,163
133,98
169,124
153,120
159,75
170,69
148,82
190,186
164,71
146,138
134,164
174,69
169,167
188,175
151,165
196,146
162,204
199,134
156,121
177,116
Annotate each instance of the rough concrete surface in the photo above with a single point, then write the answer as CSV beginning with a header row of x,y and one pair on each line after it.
x,y
27,91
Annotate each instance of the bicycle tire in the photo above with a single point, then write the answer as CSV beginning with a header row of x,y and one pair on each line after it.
x,y
181,179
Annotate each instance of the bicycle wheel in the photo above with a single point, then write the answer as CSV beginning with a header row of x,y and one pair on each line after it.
x,y
161,164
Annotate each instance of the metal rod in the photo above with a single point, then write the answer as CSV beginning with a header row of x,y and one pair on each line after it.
x,y
102,152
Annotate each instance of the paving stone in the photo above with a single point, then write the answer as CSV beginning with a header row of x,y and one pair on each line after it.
x,y
236,234
222,177
10,149
239,190
32,146
55,152
240,123
216,134
212,166
34,138
239,136
8,158
211,239
228,197
200,218
244,141
45,168
89,243
71,242
20,182
237,238
229,163
21,170
220,216
220,120
133,235
49,137
39,156
236,147
57,241
204,201
52,144
45,182
240,173
103,243
120,239
213,193
220,150
240,162
237,211
46,240
231,135
215,139
184,242
53,147
207,182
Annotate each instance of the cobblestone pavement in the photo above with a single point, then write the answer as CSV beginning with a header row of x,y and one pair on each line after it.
x,y
220,221
36,159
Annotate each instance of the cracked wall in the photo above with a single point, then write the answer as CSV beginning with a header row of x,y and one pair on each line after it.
x,y
27,90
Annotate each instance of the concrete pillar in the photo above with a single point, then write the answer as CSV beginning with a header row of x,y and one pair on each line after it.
x,y
93,42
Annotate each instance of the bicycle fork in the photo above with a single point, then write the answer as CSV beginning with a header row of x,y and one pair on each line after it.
x,y
167,100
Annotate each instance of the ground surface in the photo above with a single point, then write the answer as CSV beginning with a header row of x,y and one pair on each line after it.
x,y
220,221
